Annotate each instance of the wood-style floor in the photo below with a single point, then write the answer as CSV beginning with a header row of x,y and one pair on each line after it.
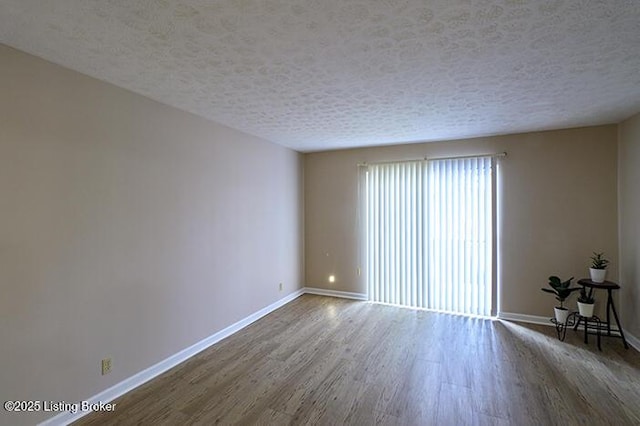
x,y
328,361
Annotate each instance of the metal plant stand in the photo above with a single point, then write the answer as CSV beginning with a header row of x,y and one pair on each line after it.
x,y
592,325
606,326
561,328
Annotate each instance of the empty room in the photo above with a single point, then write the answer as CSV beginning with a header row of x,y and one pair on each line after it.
x,y
339,212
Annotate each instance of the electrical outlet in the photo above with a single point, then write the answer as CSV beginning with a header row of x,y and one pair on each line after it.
x,y
280,287
106,366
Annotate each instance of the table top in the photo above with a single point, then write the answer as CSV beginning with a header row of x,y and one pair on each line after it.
x,y
608,285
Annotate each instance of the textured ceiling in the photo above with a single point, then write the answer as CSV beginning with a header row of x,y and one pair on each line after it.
x,y
325,74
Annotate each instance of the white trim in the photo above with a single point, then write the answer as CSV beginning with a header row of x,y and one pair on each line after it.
x,y
632,340
335,293
144,376
532,319
159,368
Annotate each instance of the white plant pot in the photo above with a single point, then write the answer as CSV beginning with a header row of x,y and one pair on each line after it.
x,y
585,309
598,275
561,315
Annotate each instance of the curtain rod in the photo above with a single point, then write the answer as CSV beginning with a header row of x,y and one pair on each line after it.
x,y
495,155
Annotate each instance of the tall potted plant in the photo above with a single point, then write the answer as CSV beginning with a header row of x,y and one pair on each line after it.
x,y
598,270
562,290
586,302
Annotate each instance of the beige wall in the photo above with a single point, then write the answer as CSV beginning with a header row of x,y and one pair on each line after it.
x,y
629,207
128,229
558,201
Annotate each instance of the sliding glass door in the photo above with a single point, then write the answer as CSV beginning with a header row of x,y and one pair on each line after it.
x,y
429,234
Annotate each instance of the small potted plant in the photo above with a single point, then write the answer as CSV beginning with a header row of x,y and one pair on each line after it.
x,y
598,270
585,302
562,290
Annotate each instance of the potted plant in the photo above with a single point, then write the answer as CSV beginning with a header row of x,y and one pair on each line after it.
x,y
598,270
562,290
585,302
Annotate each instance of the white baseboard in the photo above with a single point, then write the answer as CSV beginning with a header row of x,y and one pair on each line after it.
x,y
159,368
532,319
632,340
335,293
144,376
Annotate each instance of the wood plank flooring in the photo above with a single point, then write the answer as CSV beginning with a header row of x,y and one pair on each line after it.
x,y
327,361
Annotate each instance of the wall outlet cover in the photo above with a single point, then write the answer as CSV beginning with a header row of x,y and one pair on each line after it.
x,y
106,366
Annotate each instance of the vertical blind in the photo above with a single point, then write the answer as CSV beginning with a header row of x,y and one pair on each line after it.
x,y
428,234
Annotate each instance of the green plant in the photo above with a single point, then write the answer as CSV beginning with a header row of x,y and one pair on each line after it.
x,y
562,289
586,297
598,261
